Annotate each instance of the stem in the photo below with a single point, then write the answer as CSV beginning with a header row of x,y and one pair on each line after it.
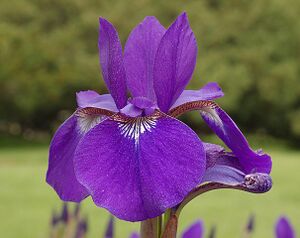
x,y
151,228
170,230
166,218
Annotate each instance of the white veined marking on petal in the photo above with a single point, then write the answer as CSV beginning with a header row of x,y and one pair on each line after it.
x,y
133,128
87,122
211,113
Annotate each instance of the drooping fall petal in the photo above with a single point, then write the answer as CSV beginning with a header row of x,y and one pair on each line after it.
x,y
138,167
221,123
60,174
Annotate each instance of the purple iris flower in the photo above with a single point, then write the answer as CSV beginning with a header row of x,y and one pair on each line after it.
x,y
284,229
195,230
131,155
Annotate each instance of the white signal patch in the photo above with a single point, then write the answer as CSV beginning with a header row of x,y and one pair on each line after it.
x,y
212,114
88,122
133,128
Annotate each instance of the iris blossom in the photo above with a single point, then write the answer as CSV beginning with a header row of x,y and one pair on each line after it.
x,y
284,229
131,155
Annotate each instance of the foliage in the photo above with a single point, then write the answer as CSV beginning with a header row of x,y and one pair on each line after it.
x,y
251,48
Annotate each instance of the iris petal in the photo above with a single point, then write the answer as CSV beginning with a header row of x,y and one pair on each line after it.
x,y
207,92
93,99
221,123
174,62
228,131
60,174
139,167
111,60
139,53
225,168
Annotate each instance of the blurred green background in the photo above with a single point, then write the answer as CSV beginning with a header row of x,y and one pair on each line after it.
x,y
49,52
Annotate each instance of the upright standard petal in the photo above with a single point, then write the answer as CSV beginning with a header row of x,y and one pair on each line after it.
x,y
139,54
111,60
196,230
139,167
208,92
221,123
174,62
284,229
91,98
60,174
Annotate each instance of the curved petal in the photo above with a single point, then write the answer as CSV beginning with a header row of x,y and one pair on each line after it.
x,y
174,62
196,230
60,173
228,131
224,174
208,92
91,98
131,110
111,60
139,53
225,168
221,123
284,229
139,167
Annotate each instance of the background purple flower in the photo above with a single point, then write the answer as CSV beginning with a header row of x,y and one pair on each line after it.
x,y
284,229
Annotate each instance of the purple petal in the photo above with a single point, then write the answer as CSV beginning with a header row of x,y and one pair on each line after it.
x,y
196,230
134,235
131,110
227,130
174,62
60,174
208,92
284,228
93,99
225,168
224,174
140,50
138,167
213,153
220,167
111,60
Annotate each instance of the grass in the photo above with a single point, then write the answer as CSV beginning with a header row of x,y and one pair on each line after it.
x,y
26,201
